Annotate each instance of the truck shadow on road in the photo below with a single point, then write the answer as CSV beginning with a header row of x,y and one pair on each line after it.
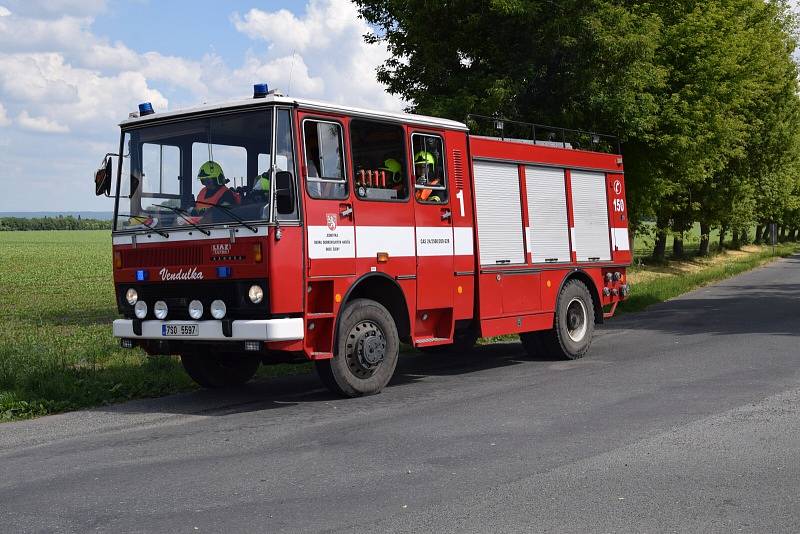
x,y
287,391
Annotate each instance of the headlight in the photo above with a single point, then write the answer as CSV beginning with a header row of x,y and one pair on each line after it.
x,y
256,294
140,310
160,309
131,296
218,309
195,309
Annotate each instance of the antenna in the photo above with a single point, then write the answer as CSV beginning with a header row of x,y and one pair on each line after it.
x,y
291,71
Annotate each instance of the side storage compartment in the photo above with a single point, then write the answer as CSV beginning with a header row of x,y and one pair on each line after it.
x,y
499,215
590,235
548,234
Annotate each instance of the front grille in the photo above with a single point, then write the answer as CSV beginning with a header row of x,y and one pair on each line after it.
x,y
148,257
178,296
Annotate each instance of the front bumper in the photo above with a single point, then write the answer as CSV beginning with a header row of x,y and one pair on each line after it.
x,y
243,330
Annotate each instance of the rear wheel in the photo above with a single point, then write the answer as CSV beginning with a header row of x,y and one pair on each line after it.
x,y
573,327
366,352
219,371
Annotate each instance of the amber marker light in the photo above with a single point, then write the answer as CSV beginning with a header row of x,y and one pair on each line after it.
x,y
257,253
117,260
383,257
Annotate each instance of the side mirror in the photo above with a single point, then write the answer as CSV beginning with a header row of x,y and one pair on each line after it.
x,y
102,178
284,192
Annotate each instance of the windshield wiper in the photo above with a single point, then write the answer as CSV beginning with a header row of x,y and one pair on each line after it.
x,y
231,213
182,213
162,233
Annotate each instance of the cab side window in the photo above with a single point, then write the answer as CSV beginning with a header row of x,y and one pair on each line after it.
x,y
379,164
430,179
324,160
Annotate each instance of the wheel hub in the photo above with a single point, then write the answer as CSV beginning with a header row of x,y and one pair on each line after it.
x,y
366,349
576,320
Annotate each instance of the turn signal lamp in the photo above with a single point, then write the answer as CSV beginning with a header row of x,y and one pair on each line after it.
x,y
117,259
145,108
257,253
383,257
223,272
141,275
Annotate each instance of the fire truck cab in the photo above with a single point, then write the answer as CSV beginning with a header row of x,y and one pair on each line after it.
x,y
339,233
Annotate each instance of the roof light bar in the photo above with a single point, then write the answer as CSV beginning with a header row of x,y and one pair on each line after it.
x,y
145,108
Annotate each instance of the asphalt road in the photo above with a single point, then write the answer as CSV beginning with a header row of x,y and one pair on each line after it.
x,y
683,418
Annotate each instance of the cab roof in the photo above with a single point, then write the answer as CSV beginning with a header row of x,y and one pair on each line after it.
x,y
301,103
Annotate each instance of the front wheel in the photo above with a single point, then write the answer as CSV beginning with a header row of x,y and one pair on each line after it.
x,y
219,371
573,327
366,352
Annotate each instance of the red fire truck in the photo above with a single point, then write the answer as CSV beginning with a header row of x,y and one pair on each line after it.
x,y
269,227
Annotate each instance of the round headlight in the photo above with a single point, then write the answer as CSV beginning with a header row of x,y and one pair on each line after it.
x,y
131,296
140,309
160,309
256,294
218,309
195,309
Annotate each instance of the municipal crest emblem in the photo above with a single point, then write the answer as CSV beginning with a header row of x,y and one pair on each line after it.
x,y
331,219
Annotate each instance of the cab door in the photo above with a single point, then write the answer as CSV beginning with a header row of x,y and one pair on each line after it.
x,y
329,208
433,217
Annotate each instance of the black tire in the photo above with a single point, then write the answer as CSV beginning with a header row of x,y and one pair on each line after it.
x,y
573,327
462,342
366,351
219,371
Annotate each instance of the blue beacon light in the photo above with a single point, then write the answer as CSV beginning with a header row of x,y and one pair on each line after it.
x,y
223,272
145,108
260,90
141,275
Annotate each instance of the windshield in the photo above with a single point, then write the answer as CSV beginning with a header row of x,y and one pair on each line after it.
x,y
216,170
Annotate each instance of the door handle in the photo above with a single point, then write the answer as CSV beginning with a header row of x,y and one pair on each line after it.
x,y
446,214
347,210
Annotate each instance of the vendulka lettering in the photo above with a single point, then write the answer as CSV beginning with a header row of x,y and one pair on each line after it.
x,y
192,274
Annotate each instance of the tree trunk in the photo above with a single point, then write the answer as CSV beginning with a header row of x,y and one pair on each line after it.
x,y
744,239
735,244
782,234
677,246
766,237
759,229
705,239
660,246
722,233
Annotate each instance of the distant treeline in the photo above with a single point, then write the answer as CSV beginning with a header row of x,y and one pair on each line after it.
x,y
8,224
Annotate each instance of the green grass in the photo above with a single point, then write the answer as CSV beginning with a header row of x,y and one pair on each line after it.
x,y
56,348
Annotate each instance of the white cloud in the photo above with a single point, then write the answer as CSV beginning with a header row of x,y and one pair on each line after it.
x,y
56,8
4,120
61,80
331,60
4,11
40,124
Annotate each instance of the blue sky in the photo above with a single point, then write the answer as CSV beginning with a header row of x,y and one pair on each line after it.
x,y
70,70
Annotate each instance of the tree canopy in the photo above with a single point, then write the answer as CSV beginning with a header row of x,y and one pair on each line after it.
x,y
703,94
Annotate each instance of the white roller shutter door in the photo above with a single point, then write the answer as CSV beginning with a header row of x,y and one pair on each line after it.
x,y
499,213
590,238
548,237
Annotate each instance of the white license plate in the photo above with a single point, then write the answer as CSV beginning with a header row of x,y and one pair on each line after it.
x,y
179,330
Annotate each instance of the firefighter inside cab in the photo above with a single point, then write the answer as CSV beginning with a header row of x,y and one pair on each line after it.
x,y
425,172
215,192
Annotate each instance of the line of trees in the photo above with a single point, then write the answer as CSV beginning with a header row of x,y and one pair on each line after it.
x,y
52,223
703,94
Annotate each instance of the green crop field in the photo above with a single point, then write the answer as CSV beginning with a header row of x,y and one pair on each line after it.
x,y
56,348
